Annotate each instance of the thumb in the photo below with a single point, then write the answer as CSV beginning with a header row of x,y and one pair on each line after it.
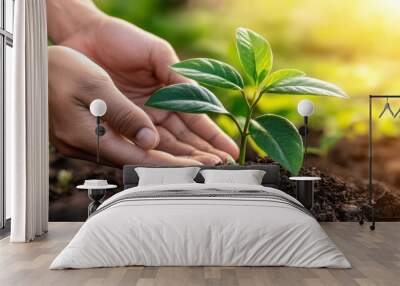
x,y
162,58
124,116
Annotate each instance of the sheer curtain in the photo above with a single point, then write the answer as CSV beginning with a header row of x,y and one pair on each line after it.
x,y
27,124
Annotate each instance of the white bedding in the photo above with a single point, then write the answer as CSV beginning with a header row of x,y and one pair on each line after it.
x,y
188,231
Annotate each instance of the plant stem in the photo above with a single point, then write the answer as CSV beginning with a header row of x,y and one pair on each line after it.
x,y
243,141
257,99
236,123
245,133
245,98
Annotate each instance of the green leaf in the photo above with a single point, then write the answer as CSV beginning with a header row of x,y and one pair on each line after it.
x,y
282,74
186,97
210,72
303,85
278,137
255,54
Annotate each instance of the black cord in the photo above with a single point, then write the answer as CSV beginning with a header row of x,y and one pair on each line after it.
x,y
98,138
305,139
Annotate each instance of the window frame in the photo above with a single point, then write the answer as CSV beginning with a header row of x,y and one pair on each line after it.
x,y
6,39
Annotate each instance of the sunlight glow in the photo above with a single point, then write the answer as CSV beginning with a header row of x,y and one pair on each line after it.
x,y
389,8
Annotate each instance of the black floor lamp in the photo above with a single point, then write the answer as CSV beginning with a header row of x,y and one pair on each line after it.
x,y
305,184
97,188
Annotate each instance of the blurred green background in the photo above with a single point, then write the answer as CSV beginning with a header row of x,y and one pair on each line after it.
x,y
354,44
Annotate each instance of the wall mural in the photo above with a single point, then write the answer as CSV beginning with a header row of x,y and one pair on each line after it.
x,y
148,59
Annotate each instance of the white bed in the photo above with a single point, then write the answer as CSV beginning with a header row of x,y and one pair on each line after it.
x,y
267,229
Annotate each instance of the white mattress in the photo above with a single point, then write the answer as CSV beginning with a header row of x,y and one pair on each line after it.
x,y
191,231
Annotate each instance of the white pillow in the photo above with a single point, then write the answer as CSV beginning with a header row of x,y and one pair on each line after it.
x,y
166,176
248,177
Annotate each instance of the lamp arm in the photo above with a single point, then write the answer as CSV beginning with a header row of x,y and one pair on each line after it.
x,y
305,139
100,131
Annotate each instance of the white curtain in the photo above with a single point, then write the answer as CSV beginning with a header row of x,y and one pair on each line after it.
x,y
27,124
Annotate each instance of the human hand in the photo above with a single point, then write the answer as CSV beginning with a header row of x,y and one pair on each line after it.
x,y
74,82
138,63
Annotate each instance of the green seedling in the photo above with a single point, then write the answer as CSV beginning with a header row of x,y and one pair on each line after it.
x,y
274,134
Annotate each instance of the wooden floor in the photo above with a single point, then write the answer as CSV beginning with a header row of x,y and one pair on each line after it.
x,y
375,257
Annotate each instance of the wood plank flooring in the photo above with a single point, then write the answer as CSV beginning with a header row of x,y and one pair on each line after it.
x,y
375,257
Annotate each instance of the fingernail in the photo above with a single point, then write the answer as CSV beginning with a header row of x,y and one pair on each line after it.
x,y
217,161
212,160
147,138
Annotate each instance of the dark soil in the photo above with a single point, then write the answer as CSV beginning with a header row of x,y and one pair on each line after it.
x,y
348,160
334,199
339,195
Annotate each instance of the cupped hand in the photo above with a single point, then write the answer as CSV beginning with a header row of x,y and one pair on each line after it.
x,y
74,81
139,64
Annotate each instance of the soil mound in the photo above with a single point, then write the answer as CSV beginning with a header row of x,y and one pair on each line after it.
x,y
339,195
